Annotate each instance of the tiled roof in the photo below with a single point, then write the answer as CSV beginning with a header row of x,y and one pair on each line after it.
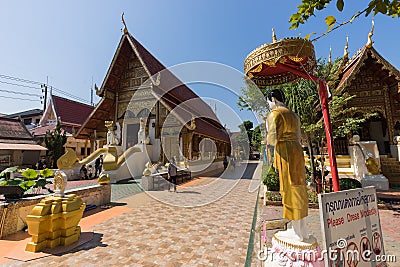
x,y
206,121
41,130
353,67
26,113
71,112
13,129
207,124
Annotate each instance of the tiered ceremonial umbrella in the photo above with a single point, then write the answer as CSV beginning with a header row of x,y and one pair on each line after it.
x,y
285,61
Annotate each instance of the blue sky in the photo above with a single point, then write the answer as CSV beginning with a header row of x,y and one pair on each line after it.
x,y
72,41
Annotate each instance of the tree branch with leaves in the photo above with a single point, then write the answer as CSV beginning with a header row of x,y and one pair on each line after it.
x,y
308,8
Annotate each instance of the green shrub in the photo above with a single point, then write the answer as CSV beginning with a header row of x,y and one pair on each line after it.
x,y
270,178
312,196
349,183
273,196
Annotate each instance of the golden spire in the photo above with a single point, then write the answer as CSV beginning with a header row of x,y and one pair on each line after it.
x,y
370,42
274,40
346,51
330,56
123,22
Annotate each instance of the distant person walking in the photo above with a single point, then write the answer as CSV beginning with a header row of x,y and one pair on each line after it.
x,y
172,170
233,162
98,166
41,164
225,162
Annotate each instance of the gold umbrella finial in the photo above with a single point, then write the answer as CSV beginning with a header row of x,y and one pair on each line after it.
x,y
346,50
123,22
370,34
274,40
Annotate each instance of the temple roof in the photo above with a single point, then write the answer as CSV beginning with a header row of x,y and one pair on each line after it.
x,y
70,114
14,131
69,111
367,56
172,100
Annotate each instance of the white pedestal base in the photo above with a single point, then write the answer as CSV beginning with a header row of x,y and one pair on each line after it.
x,y
379,181
147,183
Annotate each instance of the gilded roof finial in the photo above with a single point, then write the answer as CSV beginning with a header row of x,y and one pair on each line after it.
x,y
123,22
370,42
274,40
330,57
346,51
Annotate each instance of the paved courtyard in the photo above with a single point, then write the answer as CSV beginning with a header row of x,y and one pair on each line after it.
x,y
157,230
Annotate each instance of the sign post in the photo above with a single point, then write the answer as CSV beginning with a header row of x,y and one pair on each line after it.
x,y
351,228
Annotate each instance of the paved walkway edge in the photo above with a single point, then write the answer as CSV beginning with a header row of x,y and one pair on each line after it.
x,y
250,246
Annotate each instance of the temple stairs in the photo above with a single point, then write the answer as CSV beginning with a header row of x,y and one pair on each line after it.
x,y
391,169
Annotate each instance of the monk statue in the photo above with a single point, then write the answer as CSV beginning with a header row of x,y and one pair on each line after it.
x,y
142,132
110,132
284,136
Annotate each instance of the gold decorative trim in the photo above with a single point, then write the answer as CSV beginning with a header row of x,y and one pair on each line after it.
x,y
109,95
274,40
370,34
295,246
346,50
361,62
295,49
123,22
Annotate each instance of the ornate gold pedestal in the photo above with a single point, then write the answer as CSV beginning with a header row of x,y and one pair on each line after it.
x,y
287,252
54,221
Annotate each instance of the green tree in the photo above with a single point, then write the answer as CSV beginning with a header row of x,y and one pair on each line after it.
x,y
55,142
248,125
307,8
253,98
256,138
243,139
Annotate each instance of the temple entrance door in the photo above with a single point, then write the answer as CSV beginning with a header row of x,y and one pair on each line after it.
x,y
131,135
376,130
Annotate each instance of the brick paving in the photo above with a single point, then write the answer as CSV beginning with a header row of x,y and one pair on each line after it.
x,y
213,231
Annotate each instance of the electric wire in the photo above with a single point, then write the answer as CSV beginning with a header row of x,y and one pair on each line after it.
x,y
18,98
15,84
19,79
39,83
69,95
19,93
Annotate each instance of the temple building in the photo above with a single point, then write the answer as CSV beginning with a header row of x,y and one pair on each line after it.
x,y
71,115
17,146
375,82
144,103
376,86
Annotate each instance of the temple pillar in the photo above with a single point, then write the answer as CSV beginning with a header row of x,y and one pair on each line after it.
x,y
388,111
